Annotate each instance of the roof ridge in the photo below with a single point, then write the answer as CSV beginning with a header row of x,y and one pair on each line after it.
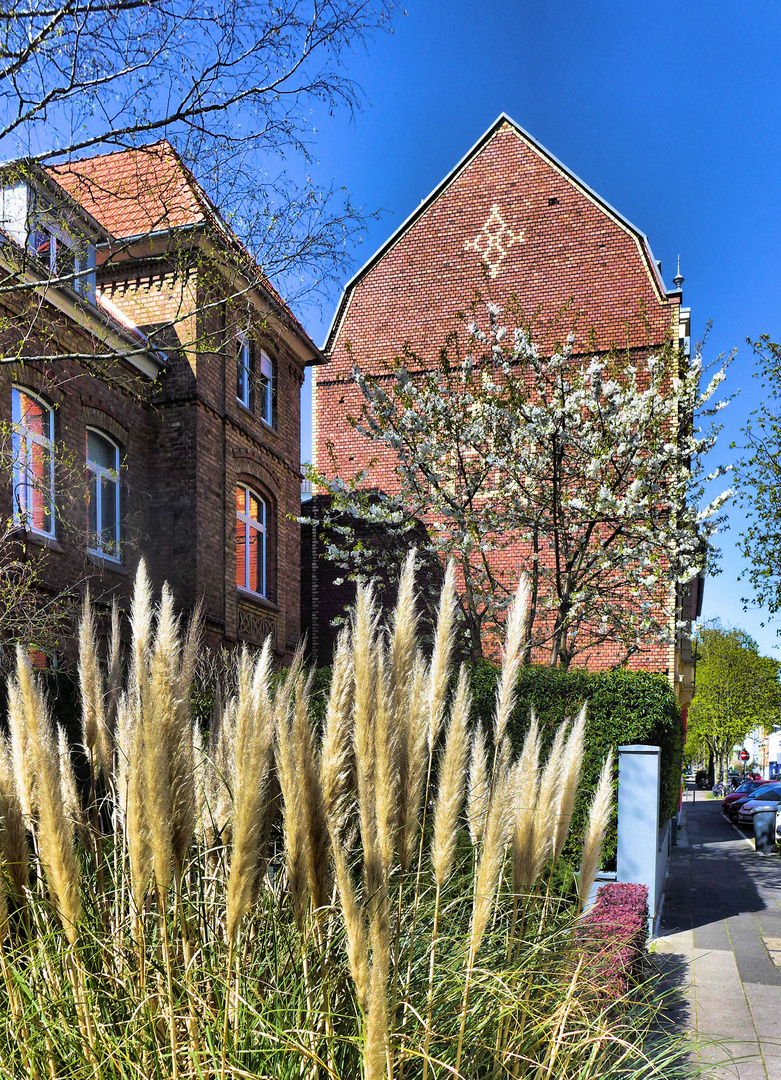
x,y
113,153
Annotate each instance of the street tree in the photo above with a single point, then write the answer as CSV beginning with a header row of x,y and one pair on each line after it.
x,y
758,482
591,469
738,690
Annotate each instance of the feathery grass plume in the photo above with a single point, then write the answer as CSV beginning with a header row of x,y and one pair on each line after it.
x,y
447,809
292,811
219,774
252,741
160,736
417,763
124,737
364,661
113,684
403,646
376,1044
571,761
182,748
14,834
24,775
337,761
54,830
131,797
315,829
526,788
601,806
93,716
355,924
546,811
479,787
70,792
386,779
450,793
141,626
511,662
498,829
337,768
439,675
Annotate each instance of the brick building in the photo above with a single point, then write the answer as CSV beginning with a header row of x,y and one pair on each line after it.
x,y
508,221
145,341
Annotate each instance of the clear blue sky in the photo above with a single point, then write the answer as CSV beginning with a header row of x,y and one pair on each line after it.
x,y
671,111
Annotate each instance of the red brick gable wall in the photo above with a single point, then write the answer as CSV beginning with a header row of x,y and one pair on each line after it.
x,y
571,251
553,246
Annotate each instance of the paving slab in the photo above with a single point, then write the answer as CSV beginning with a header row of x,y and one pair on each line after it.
x,y
721,923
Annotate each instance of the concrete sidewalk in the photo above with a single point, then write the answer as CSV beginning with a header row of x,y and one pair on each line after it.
x,y
722,917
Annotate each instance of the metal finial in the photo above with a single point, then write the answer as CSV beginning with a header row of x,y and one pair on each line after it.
x,y
678,279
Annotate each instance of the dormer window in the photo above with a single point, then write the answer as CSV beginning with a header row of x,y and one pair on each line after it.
x,y
38,215
66,258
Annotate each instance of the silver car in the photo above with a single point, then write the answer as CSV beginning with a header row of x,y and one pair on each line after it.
x,y
769,799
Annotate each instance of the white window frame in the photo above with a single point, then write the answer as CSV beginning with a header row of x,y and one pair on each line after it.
x,y
22,480
250,523
266,387
243,364
83,252
101,472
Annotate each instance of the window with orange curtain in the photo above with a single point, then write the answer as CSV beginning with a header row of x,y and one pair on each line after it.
x,y
250,541
33,461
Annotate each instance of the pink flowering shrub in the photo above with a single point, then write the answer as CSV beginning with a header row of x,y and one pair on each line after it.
x,y
613,937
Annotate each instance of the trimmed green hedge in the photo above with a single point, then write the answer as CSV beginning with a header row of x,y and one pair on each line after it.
x,y
624,707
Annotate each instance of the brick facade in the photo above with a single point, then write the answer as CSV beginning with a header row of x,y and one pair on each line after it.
x,y
511,224
186,441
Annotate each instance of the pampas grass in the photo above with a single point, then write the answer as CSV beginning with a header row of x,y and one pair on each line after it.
x,y
253,739
599,815
567,787
276,951
479,786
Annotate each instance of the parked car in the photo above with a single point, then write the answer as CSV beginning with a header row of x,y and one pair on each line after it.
x,y
746,788
734,808
762,799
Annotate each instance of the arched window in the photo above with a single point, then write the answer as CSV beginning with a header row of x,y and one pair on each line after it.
x,y
250,541
33,461
103,507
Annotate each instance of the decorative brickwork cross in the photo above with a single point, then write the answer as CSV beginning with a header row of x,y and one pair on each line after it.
x,y
493,240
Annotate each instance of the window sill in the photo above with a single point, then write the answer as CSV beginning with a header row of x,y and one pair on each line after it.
x,y
245,408
256,598
268,426
106,563
30,536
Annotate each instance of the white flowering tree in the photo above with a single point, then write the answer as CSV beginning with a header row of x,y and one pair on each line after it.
x,y
587,474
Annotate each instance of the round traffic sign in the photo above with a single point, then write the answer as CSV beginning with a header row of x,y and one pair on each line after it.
x,y
744,755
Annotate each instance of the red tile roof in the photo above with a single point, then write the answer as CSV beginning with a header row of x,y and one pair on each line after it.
x,y
134,192
149,189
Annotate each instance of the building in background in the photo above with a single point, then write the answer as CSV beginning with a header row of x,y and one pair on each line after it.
x,y
510,223
151,386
